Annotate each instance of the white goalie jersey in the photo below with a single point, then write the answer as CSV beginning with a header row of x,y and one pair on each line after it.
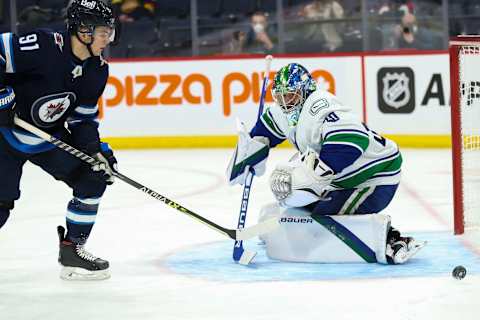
x,y
324,123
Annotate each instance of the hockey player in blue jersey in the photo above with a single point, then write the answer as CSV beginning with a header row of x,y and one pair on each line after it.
x,y
342,176
53,80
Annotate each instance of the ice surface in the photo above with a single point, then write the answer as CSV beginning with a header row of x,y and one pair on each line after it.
x,y
165,265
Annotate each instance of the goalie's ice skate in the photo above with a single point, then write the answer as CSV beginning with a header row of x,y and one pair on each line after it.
x,y
77,263
401,249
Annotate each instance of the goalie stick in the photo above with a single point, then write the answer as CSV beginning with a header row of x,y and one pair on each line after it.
x,y
234,234
241,255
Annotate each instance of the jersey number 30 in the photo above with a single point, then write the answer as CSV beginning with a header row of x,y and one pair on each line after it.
x,y
376,136
28,42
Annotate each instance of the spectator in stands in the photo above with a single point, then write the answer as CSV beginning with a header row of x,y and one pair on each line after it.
x,y
329,33
235,42
395,8
410,36
131,10
258,38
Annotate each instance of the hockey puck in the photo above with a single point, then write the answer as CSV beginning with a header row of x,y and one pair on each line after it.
x,y
459,272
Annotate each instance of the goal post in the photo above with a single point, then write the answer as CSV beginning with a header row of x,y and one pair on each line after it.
x,y
465,126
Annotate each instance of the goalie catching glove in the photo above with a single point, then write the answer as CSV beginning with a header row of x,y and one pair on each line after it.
x,y
250,154
303,180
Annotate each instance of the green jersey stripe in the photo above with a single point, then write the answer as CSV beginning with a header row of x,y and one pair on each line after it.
x,y
365,174
359,140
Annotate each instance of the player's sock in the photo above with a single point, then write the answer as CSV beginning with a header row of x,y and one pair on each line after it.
x,y
81,214
79,264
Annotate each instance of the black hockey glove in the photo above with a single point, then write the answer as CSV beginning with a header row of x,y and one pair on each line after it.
x,y
7,104
108,162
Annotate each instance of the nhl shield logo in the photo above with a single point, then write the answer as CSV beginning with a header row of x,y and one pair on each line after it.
x,y
396,90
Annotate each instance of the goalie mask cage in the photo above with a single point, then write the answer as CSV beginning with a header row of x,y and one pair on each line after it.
x,y
465,118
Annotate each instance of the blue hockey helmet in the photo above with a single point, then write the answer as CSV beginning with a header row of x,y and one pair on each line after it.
x,y
83,16
291,87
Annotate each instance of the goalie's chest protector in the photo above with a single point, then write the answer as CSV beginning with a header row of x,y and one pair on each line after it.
x,y
317,109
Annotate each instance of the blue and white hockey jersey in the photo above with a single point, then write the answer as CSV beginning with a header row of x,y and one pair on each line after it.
x,y
359,156
52,87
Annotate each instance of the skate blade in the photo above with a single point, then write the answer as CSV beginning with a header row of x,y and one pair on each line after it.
x,y
80,274
247,257
417,246
413,249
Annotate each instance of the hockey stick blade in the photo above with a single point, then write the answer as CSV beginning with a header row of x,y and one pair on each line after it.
x,y
247,257
261,228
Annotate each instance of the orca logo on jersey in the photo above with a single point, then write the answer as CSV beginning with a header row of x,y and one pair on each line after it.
x,y
396,90
318,105
46,111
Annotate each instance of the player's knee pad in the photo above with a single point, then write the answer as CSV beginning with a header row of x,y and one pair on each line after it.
x,y
5,207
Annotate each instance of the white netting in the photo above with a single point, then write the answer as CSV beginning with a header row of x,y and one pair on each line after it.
x,y
469,65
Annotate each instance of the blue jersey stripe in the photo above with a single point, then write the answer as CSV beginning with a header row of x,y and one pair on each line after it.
x,y
390,157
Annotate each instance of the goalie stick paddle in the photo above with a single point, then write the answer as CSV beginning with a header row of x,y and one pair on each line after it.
x,y
239,253
234,234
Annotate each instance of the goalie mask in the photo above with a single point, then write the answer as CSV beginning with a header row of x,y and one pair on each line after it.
x,y
84,16
291,87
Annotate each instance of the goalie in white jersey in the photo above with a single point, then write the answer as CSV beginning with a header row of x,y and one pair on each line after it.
x,y
342,176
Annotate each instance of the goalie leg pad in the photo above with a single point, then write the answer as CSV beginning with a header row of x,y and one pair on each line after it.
x,y
328,239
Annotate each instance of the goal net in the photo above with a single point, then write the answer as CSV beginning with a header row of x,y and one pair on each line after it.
x,y
465,116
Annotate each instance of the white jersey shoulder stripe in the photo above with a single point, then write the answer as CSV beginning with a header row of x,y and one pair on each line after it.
x,y
7,50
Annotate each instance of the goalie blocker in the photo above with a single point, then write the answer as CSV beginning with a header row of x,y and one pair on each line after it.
x,y
335,239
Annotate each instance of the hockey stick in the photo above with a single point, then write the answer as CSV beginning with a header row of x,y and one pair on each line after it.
x,y
240,254
234,234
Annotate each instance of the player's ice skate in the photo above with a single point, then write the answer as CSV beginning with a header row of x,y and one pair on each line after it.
x,y
77,263
400,249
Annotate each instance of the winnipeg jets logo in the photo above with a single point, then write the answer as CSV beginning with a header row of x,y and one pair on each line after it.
x,y
46,111
55,109
77,72
396,92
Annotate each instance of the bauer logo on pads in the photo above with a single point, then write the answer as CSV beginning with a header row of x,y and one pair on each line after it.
x,y
296,220
396,90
